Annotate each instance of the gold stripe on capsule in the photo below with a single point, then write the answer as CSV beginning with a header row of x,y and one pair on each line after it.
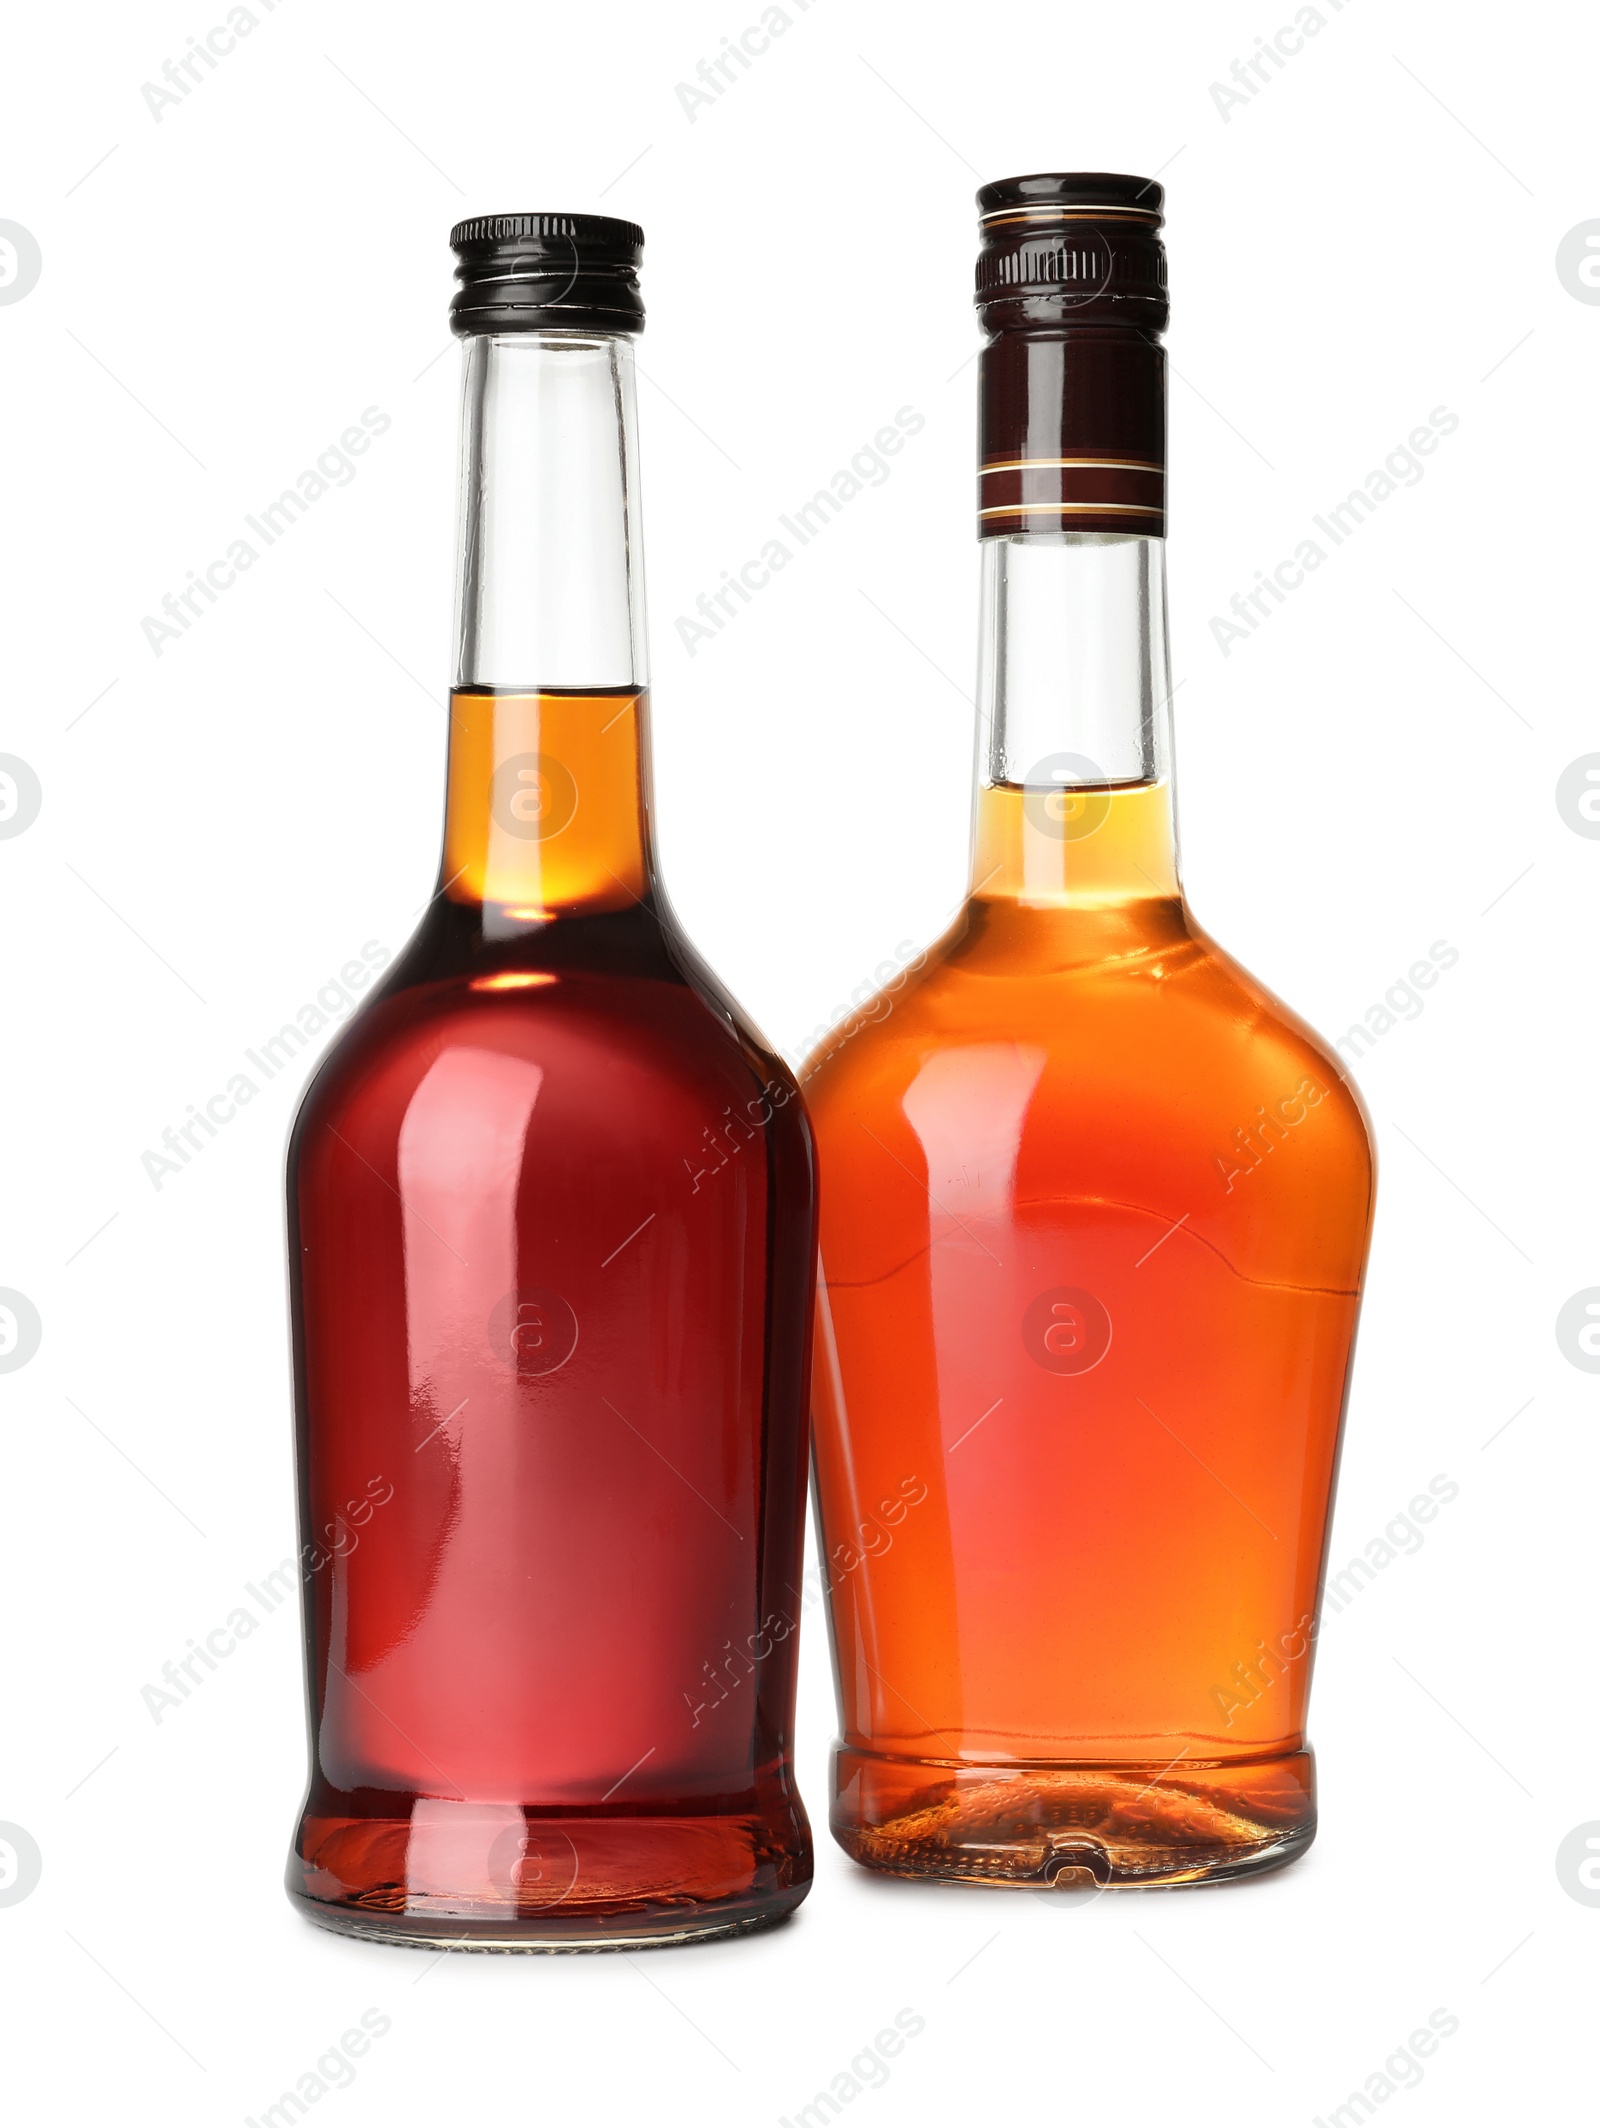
x,y
1023,465
1062,509
1002,215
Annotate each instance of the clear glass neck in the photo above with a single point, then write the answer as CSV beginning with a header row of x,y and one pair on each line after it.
x,y
1074,800
548,807
550,589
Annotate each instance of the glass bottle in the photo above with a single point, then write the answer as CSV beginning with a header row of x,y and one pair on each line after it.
x,y
551,1212
1095,1211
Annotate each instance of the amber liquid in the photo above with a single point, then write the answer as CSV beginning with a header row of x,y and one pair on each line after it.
x,y
1095,1211
552,1218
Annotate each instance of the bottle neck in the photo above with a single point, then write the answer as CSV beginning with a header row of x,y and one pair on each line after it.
x,y
547,810
1074,806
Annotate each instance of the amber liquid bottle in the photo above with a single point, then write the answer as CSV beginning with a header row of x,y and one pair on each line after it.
x,y
1095,1211
551,1210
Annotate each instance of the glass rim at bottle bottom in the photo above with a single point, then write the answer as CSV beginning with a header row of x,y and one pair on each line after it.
x,y
1085,1827
410,1931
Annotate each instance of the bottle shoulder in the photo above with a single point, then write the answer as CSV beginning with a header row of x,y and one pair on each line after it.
x,y
1073,990
1151,1018
1002,1098
626,1017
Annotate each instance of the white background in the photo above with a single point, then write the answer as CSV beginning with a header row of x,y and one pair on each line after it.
x,y
1369,236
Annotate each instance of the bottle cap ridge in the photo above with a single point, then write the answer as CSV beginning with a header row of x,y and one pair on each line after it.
x,y
1071,248
535,272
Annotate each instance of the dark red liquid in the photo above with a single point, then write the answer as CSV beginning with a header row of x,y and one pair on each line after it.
x,y
550,1350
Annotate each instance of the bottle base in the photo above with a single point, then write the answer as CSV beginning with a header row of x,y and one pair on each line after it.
x,y
423,1933
1073,1827
487,1877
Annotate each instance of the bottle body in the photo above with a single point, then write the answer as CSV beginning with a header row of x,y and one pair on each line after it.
x,y
1095,1210
552,1450
552,1238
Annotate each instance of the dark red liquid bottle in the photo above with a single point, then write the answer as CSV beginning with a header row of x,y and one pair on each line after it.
x,y
552,1227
